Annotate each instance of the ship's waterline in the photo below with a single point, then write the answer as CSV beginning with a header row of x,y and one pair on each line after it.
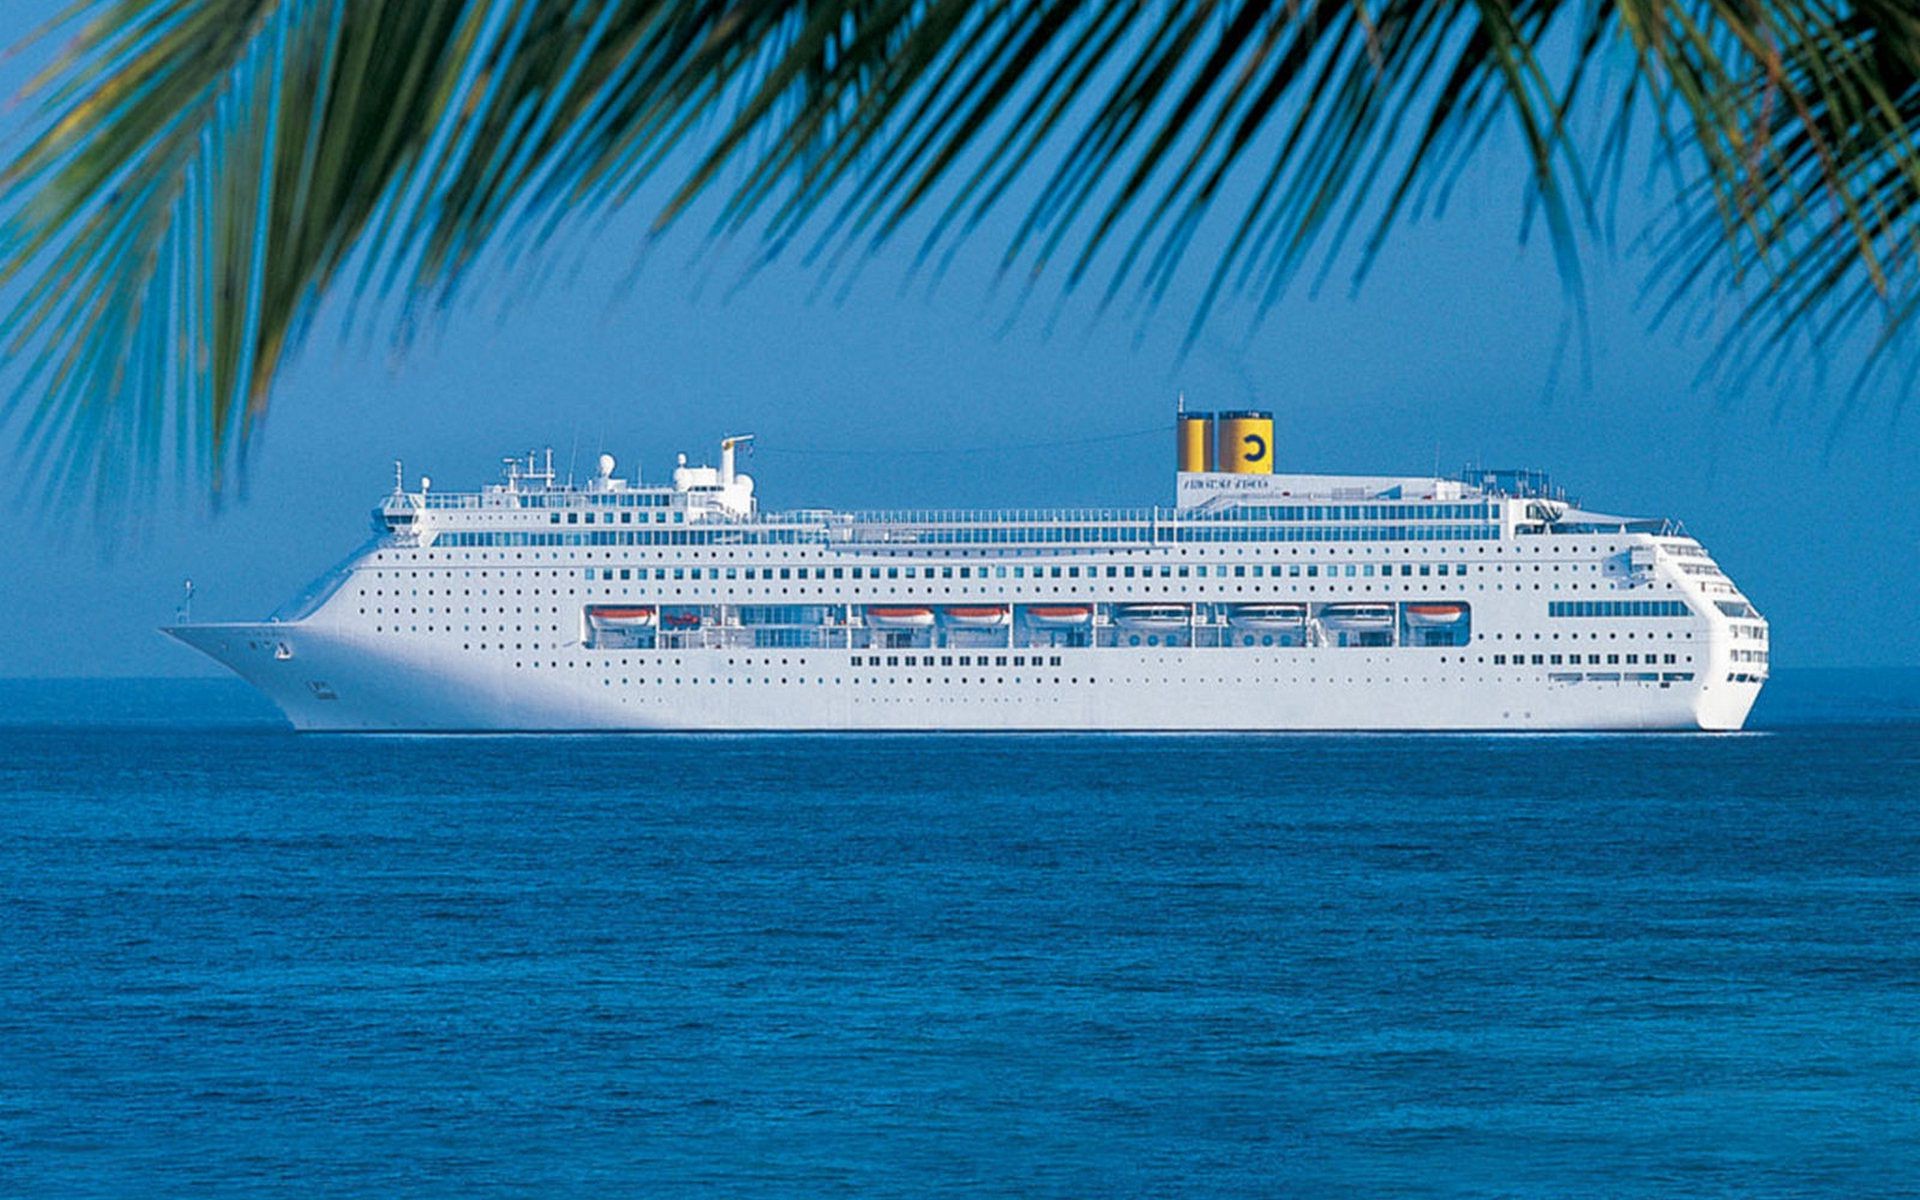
x,y
1256,602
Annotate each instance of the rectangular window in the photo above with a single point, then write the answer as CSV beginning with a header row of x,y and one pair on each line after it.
x,y
1617,608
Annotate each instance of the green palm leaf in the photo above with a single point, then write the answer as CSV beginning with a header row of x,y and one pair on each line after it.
x,y
204,170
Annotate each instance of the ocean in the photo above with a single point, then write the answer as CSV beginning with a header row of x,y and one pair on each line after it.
x,y
237,962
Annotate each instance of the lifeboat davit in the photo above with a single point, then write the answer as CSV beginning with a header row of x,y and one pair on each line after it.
x,y
899,618
1357,617
973,616
621,616
1159,618
1058,616
1268,618
1435,614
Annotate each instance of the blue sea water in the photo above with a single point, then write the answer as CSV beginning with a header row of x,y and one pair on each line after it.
x,y
236,962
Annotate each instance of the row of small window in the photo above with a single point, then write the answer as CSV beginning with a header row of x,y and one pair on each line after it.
x,y
1477,511
960,660
1661,677
719,536
788,535
626,518
837,680
1757,633
1749,656
1617,608
1191,531
1203,571
1542,660
659,498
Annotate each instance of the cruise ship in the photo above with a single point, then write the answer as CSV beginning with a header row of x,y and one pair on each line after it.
x,y
1256,601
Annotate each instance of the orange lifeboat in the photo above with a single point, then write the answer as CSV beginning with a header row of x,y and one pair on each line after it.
x,y
621,616
1058,616
902,617
1435,614
974,616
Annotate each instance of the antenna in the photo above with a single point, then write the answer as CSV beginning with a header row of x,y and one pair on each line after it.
x,y
399,478
185,611
1180,405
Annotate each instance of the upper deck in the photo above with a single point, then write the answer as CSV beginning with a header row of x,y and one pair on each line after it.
x,y
716,506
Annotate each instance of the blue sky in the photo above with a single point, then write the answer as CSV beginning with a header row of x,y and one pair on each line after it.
x,y
1446,354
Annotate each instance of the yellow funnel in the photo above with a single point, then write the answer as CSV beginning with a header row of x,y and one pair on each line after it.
x,y
1245,443
1194,441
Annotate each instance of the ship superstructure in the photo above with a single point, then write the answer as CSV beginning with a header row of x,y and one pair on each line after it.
x,y
1257,601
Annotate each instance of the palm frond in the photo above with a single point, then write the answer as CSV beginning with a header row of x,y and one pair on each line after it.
x,y
204,170
1815,233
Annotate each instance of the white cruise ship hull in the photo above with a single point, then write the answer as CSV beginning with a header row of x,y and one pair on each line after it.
x,y
333,681
1259,602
